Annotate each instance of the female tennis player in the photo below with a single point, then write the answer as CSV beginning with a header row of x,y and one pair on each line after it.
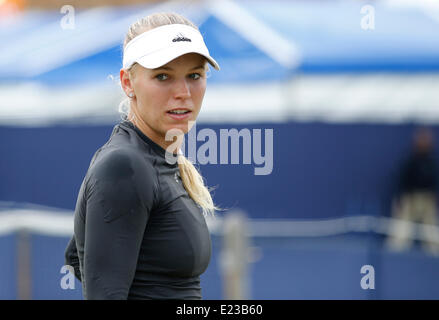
x,y
139,225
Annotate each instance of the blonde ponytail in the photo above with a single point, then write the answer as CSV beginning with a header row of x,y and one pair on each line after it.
x,y
194,185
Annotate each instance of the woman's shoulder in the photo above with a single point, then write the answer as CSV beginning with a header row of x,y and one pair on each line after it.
x,y
120,161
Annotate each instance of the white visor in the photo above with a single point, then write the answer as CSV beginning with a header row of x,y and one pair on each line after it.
x,y
158,46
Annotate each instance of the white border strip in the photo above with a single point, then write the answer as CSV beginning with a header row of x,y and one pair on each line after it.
x,y
36,221
374,98
60,224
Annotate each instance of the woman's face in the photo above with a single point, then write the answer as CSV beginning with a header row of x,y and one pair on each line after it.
x,y
168,97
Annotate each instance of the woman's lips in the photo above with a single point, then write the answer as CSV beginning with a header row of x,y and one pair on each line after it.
x,y
180,116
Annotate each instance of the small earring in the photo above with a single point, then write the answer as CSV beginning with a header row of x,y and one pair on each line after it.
x,y
131,95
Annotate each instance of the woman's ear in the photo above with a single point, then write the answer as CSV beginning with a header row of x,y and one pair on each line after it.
x,y
125,82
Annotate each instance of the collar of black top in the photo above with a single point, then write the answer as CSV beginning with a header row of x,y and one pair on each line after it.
x,y
162,152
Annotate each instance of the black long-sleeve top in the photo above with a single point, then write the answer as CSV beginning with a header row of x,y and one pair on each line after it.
x,y
137,233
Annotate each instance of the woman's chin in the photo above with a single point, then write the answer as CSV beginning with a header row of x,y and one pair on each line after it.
x,y
177,129
184,126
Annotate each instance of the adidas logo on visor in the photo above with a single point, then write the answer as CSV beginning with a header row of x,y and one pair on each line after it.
x,y
181,37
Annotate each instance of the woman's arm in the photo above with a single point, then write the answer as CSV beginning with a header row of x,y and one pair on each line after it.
x,y
120,197
71,257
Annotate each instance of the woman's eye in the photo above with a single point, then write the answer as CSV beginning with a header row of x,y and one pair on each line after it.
x,y
194,76
162,76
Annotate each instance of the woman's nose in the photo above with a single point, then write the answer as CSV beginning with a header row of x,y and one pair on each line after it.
x,y
182,89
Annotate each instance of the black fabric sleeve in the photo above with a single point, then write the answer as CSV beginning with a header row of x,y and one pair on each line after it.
x,y
71,257
120,196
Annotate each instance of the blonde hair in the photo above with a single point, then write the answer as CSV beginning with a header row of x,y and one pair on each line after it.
x,y
192,179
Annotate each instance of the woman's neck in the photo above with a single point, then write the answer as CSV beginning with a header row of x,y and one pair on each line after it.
x,y
160,139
